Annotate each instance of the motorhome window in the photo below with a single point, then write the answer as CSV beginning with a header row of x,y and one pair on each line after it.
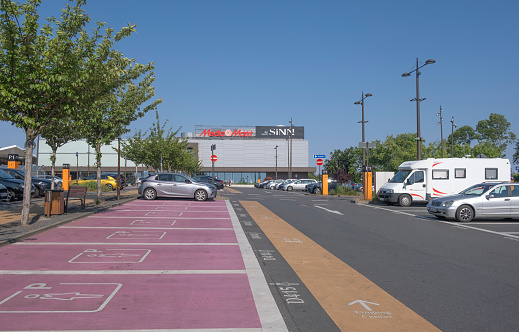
x,y
400,177
491,173
460,173
416,177
442,174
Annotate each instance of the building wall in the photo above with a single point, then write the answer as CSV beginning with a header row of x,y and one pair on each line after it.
x,y
257,153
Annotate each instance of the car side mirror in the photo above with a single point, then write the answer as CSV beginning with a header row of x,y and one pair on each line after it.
x,y
187,181
490,196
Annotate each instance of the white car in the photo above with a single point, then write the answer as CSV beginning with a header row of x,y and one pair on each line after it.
x,y
296,185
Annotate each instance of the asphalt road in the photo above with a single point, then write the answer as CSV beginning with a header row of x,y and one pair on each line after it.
x,y
384,266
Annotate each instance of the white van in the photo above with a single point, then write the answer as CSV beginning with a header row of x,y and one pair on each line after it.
x,y
423,180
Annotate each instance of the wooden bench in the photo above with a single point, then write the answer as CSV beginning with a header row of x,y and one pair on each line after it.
x,y
76,192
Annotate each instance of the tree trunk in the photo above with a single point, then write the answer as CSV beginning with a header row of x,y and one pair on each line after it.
x,y
98,165
29,148
53,168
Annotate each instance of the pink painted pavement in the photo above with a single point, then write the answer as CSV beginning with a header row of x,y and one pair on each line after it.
x,y
103,235
126,302
135,222
102,257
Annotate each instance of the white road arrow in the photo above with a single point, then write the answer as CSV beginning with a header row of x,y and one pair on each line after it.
x,y
332,211
363,304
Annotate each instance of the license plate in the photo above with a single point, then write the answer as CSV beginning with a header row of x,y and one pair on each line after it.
x,y
432,210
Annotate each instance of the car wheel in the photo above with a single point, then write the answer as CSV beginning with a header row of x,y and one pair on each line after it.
x,y
317,190
289,188
404,200
149,193
200,195
109,186
464,213
12,195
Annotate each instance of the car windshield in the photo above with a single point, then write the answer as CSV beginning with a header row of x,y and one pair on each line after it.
x,y
400,177
4,175
477,190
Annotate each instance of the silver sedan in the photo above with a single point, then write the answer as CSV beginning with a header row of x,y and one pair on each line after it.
x,y
487,200
175,185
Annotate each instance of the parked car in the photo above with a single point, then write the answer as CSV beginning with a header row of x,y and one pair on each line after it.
x,y
114,175
209,179
58,182
486,199
106,181
261,184
40,185
317,187
296,185
175,185
4,193
14,186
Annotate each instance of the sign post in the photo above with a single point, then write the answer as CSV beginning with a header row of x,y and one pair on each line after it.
x,y
12,161
325,183
66,176
213,159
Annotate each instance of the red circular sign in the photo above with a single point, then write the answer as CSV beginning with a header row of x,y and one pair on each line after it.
x,y
319,162
214,158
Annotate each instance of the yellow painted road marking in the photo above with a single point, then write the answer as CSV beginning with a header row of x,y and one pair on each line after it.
x,y
232,191
352,301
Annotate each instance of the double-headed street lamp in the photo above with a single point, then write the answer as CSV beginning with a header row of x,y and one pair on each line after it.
x,y
441,128
276,148
361,102
418,100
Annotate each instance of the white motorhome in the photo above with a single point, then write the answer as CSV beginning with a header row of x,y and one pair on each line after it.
x,y
423,180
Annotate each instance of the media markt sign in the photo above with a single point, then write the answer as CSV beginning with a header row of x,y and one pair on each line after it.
x,y
226,133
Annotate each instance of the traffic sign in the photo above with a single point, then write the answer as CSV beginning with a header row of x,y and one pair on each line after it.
x,y
214,158
319,156
319,162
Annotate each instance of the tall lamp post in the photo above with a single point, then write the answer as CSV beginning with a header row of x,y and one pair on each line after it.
x,y
276,148
361,102
290,156
452,137
441,128
418,100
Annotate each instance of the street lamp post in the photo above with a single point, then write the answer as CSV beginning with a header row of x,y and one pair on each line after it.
x,y
418,100
291,154
118,168
452,137
276,148
77,168
361,102
213,147
441,128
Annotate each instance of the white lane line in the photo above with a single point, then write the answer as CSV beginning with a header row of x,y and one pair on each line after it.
x,y
163,217
390,210
268,312
125,272
142,228
328,210
124,244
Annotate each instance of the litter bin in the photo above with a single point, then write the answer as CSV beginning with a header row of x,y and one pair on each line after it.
x,y
54,202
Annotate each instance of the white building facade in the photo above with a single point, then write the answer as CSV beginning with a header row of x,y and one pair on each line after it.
x,y
244,154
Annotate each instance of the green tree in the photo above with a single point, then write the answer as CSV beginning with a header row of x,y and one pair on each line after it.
x,y
341,162
464,135
47,73
516,154
108,118
496,130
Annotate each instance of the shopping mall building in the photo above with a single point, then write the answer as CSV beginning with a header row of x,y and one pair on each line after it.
x,y
244,154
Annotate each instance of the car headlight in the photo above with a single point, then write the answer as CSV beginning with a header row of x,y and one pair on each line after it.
x,y
389,191
447,203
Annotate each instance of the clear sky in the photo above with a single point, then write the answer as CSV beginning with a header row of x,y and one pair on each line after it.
x,y
240,62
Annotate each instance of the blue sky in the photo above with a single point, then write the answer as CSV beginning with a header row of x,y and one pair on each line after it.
x,y
230,62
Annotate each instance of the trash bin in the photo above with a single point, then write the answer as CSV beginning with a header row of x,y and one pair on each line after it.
x,y
54,202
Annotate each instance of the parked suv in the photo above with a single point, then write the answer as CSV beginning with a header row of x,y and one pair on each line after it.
x,y
175,185
40,185
14,186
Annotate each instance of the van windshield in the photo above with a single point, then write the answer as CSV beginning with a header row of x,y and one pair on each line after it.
x,y
400,177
